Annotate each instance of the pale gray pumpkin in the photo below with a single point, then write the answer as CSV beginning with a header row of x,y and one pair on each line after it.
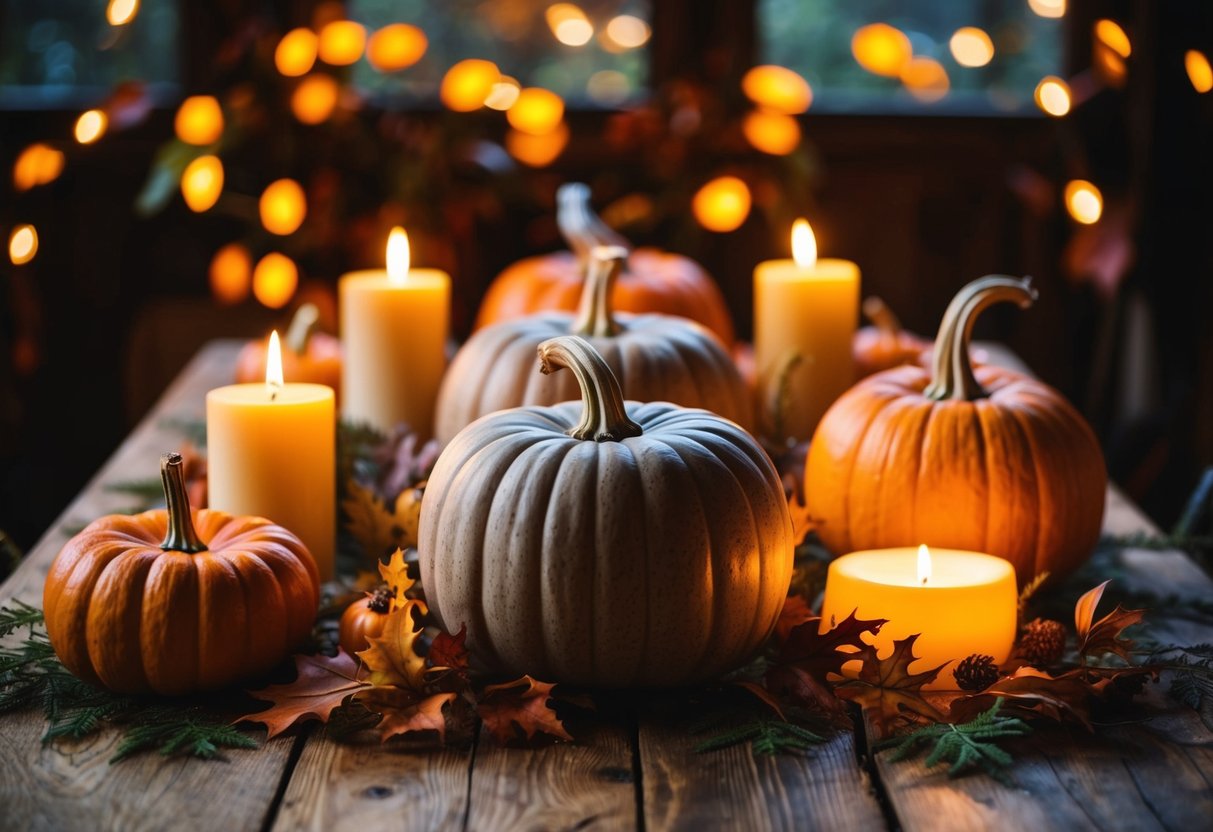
x,y
655,357
604,543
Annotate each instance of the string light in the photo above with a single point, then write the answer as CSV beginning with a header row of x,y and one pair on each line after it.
x,y
1110,34
295,54
38,164
537,151
341,42
1053,96
231,274
121,12
723,204
771,132
275,279
926,79
1200,73
881,49
1084,201
314,100
971,47
90,126
777,88
467,84
202,182
536,111
199,120
283,207
1048,8
22,244
396,47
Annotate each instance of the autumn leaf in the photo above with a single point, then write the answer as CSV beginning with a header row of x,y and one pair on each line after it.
x,y
405,711
519,709
392,656
887,690
819,654
791,684
380,527
323,683
795,612
1103,636
762,695
802,522
1031,692
449,653
395,573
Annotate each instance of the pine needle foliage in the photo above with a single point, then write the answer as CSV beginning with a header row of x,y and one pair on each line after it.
x,y
968,745
1192,675
17,616
768,737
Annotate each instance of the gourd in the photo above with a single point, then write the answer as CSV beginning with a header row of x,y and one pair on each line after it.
x,y
172,601
885,344
603,543
653,281
988,460
307,355
364,619
654,357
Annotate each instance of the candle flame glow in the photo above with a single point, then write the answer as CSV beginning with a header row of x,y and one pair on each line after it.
x,y
273,365
397,256
924,564
804,244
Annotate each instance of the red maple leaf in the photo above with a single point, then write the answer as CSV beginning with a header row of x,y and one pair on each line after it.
x,y
796,611
449,652
322,685
405,711
520,709
1103,636
887,690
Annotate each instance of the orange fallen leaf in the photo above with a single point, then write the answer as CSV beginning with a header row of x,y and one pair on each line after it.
x,y
395,573
1104,635
379,527
887,690
392,656
519,709
322,685
449,652
405,711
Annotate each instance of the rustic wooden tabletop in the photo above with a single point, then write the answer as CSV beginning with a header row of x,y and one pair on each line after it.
x,y
634,771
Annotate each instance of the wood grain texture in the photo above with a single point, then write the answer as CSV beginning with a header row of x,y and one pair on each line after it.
x,y
363,787
588,784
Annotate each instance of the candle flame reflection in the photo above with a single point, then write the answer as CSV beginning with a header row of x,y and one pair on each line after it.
x,y
397,256
804,244
924,564
273,365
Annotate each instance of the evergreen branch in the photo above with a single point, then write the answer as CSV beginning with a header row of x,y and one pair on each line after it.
x,y
767,737
174,733
17,616
971,744
1192,675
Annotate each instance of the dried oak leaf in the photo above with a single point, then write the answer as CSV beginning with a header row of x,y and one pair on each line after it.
x,y
405,711
819,654
379,527
796,611
887,690
395,573
1031,692
392,656
520,710
1103,636
449,652
322,685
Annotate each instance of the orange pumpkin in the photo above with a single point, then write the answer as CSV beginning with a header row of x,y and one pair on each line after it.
x,y
364,619
307,355
885,344
172,601
995,461
654,280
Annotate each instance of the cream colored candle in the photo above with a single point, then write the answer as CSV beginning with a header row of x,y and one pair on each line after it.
x,y
808,308
960,602
393,330
271,452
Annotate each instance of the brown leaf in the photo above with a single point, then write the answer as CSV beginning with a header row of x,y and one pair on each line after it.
x,y
796,611
802,521
819,654
887,690
1103,636
791,684
405,711
380,527
519,709
1084,610
392,656
395,573
762,695
322,685
448,652
1031,692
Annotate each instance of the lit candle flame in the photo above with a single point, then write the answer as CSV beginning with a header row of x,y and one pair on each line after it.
x,y
273,365
924,564
804,244
398,256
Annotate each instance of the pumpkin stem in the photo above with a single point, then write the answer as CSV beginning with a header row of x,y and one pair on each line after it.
x,y
581,228
604,418
595,316
952,371
180,535
301,328
879,313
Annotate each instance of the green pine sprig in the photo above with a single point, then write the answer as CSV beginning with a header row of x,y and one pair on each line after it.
x,y
17,616
766,736
1192,675
968,745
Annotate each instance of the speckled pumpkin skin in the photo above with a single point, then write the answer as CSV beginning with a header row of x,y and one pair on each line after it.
x,y
658,560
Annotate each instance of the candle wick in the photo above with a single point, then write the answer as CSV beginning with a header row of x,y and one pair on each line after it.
x,y
924,581
274,398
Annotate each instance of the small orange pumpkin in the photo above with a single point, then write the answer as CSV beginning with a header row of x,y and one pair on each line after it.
x,y
172,601
885,344
364,619
307,355
654,280
992,461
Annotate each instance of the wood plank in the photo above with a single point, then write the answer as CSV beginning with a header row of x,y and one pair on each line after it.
x,y
588,784
71,785
340,786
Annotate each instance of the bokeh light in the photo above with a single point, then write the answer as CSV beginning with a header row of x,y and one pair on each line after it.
x,y
121,12
536,111
537,151
627,31
771,132
503,94
396,47
609,87
1200,73
1048,8
1110,34
38,164
1084,201
90,126
569,24
467,84
971,47
1053,96
777,88
22,244
723,204
199,120
202,182
231,274
926,79
295,54
314,100
275,279
283,206
341,42
881,49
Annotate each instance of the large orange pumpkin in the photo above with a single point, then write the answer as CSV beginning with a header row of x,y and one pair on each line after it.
x,y
654,280
307,355
172,601
992,461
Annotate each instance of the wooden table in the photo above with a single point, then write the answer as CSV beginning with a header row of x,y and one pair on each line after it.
x,y
636,772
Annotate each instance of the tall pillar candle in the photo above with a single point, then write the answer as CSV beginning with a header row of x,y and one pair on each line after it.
x,y
805,309
271,452
394,326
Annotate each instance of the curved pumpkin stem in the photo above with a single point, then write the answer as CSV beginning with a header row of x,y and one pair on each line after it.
x,y
879,313
604,418
180,535
952,371
581,228
595,316
301,328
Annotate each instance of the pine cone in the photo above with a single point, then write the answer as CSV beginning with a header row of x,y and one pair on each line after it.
x,y
977,672
1042,642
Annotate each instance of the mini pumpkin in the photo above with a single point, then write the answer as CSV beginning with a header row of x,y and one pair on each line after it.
x,y
654,357
988,460
307,355
653,281
603,543
364,619
172,601
885,344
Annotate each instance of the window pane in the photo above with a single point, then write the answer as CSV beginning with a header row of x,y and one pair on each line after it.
x,y
921,56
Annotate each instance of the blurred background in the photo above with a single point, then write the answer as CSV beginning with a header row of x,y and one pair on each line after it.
x,y
1068,140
